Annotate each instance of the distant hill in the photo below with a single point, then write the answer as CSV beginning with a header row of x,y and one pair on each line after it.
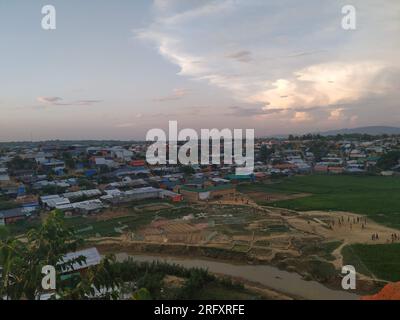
x,y
373,130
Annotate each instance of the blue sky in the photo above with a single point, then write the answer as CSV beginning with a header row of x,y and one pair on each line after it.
x,y
115,69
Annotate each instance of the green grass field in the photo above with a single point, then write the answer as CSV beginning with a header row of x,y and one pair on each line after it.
x,y
375,196
382,260
133,221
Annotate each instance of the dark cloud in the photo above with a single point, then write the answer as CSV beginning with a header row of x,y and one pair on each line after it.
x,y
251,112
241,56
87,102
52,100
303,53
58,101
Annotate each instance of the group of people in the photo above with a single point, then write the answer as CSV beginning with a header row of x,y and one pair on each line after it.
x,y
395,237
350,221
375,236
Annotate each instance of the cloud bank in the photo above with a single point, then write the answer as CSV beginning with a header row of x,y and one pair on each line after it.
x,y
282,55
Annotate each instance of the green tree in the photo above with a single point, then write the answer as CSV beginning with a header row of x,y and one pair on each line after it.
x,y
17,163
389,160
85,183
319,148
265,153
188,170
69,161
22,263
141,294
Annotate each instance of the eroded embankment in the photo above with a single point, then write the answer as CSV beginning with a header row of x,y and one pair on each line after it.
x,y
224,255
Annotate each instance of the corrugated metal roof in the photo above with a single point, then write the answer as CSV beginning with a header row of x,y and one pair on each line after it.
x,y
11,213
207,189
92,258
4,177
142,190
86,193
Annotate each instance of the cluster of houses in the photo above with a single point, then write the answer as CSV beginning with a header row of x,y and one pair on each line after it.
x,y
343,156
85,179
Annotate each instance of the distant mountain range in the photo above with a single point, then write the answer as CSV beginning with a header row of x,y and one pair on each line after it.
x,y
372,130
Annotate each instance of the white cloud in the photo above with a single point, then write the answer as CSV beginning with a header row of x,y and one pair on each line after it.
x,y
336,114
302,117
353,120
324,84
283,55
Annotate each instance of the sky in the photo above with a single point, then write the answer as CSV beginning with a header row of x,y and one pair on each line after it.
x,y
116,69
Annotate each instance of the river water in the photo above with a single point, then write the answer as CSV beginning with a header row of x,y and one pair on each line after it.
x,y
273,278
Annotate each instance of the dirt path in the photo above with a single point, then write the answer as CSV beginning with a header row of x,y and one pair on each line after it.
x,y
353,228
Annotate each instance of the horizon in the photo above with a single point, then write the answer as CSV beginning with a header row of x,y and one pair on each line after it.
x,y
115,72
276,136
